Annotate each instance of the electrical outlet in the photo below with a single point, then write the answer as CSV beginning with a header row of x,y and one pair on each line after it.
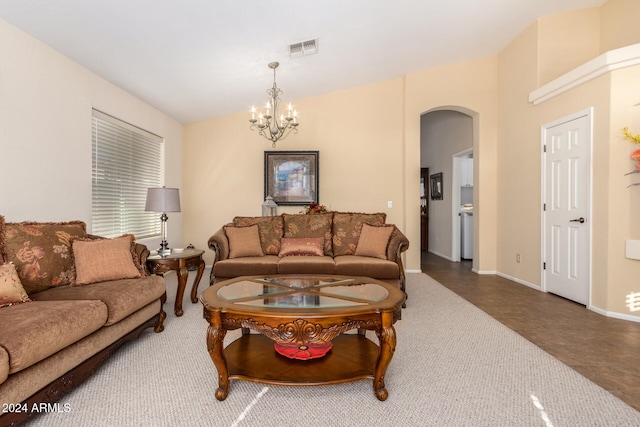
x,y
518,258
390,204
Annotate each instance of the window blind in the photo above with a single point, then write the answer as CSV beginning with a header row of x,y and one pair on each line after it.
x,y
126,160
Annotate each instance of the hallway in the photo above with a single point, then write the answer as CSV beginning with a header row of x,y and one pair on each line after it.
x,y
603,349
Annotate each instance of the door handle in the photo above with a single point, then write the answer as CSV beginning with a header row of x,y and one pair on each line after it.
x,y
581,220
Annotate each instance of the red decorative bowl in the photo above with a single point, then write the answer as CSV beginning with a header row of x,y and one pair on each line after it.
x,y
303,351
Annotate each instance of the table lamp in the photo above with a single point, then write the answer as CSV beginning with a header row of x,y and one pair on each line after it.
x,y
163,200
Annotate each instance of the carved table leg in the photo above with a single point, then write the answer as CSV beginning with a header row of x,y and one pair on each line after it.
x,y
194,288
183,274
387,338
215,338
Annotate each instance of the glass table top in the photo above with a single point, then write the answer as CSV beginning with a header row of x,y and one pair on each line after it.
x,y
299,292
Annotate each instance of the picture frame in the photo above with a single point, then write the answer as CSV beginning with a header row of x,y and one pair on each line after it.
x,y
291,177
435,181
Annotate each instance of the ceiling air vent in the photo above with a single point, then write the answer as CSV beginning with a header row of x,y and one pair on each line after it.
x,y
307,47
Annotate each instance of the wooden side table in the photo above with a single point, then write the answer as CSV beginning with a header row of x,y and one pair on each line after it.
x,y
180,262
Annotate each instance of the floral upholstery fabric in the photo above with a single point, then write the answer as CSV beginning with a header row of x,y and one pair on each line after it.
x,y
11,290
347,227
271,230
41,252
315,225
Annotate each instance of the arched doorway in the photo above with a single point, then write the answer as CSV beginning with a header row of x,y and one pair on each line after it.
x,y
448,136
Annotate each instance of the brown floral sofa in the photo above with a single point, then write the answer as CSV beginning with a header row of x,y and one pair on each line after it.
x,y
341,243
67,302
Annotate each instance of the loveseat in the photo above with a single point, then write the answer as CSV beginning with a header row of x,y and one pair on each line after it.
x,y
68,300
340,243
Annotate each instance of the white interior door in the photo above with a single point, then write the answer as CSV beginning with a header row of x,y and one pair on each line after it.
x,y
567,164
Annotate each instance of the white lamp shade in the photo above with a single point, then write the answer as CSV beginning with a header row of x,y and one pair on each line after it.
x,y
163,200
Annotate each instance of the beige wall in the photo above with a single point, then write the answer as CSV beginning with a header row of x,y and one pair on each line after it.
x,y
45,132
358,133
526,64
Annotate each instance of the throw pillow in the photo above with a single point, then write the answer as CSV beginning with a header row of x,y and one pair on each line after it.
x,y
374,240
104,259
270,228
306,246
11,290
313,225
41,252
243,241
3,255
347,227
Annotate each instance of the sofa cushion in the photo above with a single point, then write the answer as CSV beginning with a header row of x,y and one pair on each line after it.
x,y
244,241
353,265
347,227
374,240
303,246
41,252
11,290
41,328
122,297
249,266
271,229
105,259
4,364
314,225
306,265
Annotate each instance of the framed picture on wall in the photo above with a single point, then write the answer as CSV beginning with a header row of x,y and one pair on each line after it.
x,y
436,186
291,177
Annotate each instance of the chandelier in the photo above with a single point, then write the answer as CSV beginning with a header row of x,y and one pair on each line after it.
x,y
268,123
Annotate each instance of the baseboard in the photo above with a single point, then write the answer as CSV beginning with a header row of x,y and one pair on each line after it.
x,y
615,315
520,281
475,270
447,257
413,271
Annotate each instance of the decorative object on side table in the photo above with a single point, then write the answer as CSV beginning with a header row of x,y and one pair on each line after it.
x,y
269,125
163,200
291,177
635,155
181,262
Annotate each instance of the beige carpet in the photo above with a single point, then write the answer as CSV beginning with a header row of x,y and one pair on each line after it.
x,y
454,366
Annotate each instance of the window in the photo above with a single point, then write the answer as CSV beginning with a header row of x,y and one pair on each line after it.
x,y
126,161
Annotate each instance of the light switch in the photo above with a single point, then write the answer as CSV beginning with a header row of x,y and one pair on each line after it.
x,y
633,249
389,204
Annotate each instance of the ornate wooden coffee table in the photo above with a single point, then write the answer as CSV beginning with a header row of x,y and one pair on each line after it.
x,y
307,311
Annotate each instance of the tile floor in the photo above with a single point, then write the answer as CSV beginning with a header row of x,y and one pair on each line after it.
x,y
603,349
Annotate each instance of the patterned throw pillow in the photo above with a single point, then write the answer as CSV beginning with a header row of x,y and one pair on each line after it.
x,y
243,241
41,252
11,290
374,240
304,246
271,230
347,227
313,225
99,260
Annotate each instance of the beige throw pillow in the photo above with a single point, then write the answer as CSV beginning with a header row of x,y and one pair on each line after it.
x,y
243,241
374,240
11,290
102,260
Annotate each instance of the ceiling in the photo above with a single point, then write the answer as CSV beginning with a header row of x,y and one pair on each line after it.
x,y
198,59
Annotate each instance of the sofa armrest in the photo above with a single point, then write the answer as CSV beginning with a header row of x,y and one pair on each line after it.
x,y
219,243
397,244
